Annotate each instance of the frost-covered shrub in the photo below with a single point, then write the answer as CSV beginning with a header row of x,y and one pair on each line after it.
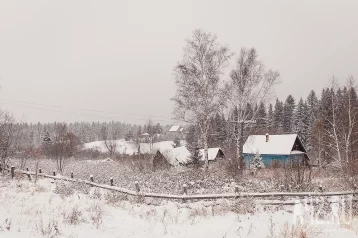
x,y
96,194
96,212
243,206
256,162
64,188
48,228
113,197
81,187
73,216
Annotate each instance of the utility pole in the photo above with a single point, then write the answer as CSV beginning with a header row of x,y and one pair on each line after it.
x,y
241,142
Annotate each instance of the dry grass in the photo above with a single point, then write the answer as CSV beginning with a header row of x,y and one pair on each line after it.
x,y
216,180
299,231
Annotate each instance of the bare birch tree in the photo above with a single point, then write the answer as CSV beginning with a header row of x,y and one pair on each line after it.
x,y
250,84
63,146
342,131
109,140
199,94
8,137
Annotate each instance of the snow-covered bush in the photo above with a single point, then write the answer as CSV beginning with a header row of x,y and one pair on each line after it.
x,y
64,188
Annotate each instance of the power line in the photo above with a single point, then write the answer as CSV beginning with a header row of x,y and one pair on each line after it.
x,y
81,109
84,114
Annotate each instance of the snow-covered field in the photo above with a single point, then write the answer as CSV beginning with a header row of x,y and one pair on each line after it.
x,y
48,209
123,147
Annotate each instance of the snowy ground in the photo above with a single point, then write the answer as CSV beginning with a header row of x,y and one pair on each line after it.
x,y
48,209
123,147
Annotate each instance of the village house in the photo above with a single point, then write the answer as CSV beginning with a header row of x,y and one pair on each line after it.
x,y
274,148
167,155
176,132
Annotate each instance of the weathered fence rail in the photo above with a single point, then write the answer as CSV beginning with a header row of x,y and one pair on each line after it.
x,y
185,195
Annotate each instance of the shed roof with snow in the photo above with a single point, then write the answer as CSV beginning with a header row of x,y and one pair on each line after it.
x,y
182,156
213,153
176,129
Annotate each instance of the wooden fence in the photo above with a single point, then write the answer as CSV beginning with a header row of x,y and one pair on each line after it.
x,y
137,192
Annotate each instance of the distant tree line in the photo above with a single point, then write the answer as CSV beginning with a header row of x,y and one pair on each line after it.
x,y
32,135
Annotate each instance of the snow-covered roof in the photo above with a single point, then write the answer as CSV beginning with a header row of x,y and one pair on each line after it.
x,y
176,156
181,155
212,153
175,128
276,145
297,152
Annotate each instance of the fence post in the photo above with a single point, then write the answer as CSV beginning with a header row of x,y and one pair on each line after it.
x,y
71,175
355,191
28,173
282,188
185,192
185,189
111,181
137,186
54,173
12,172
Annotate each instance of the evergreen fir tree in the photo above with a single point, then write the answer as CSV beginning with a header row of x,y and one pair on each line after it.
x,y
289,109
129,136
261,119
139,132
270,120
158,129
312,111
278,117
47,139
256,162
301,121
217,133
249,112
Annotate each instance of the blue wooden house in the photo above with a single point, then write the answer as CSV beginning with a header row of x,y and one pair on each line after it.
x,y
279,148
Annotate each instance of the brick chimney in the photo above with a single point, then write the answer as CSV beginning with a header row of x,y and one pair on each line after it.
x,y
267,137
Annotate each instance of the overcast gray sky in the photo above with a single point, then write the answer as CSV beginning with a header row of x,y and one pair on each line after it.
x,y
118,56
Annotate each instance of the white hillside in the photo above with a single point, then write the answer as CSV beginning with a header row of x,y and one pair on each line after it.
x,y
146,148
